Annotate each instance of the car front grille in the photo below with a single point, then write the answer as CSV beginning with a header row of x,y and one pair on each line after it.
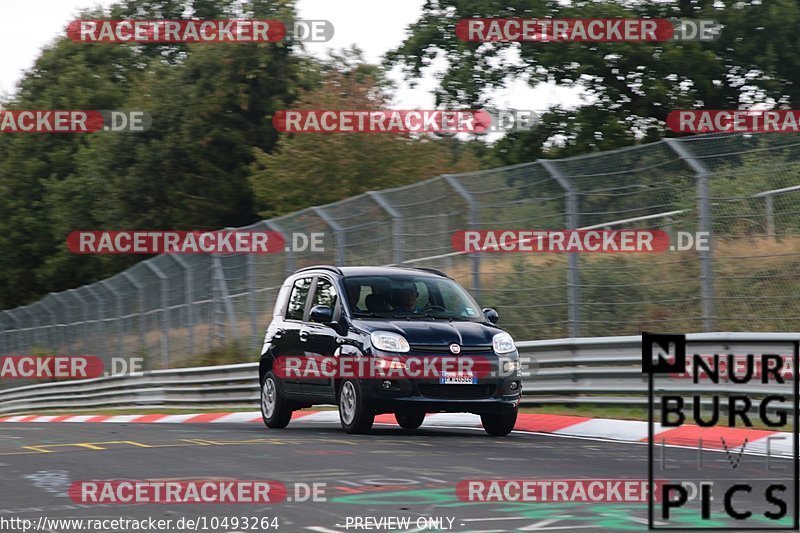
x,y
438,348
456,392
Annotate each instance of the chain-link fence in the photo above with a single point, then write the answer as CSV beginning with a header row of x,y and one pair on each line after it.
x,y
744,189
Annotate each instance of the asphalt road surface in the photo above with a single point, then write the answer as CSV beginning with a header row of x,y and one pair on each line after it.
x,y
391,473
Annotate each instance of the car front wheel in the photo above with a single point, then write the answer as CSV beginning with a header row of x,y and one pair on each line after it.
x,y
354,413
499,424
275,409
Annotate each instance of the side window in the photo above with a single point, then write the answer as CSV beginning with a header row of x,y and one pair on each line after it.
x,y
297,299
422,290
325,294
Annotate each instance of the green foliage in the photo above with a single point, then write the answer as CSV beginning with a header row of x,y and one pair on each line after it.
x,y
340,165
211,105
631,87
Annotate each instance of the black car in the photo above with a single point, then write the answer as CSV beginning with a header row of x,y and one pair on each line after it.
x,y
389,319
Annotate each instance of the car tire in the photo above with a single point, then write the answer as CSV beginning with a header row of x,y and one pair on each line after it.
x,y
499,424
409,420
355,414
276,410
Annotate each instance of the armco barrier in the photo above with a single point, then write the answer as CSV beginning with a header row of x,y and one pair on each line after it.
x,y
597,370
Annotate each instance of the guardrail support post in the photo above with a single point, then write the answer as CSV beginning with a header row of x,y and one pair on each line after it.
x,y
704,218
573,268
473,209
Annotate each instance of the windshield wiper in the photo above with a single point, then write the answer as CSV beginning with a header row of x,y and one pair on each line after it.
x,y
366,313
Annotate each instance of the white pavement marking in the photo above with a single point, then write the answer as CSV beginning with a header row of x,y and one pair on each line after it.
x,y
452,419
122,418
781,445
16,418
175,419
610,429
539,525
78,418
320,416
254,416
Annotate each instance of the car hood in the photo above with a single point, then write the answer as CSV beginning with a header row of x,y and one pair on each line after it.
x,y
435,332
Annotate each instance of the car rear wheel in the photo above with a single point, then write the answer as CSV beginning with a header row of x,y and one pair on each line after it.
x,y
409,420
499,424
355,414
275,409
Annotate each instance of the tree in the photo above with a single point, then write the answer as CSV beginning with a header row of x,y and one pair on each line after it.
x,y
210,105
313,168
631,87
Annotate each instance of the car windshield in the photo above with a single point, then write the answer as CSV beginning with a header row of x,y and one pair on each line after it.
x,y
409,296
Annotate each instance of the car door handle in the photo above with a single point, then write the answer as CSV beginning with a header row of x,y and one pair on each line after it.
x,y
303,335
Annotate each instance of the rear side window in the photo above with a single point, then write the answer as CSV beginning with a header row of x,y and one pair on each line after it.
x,y
297,299
325,294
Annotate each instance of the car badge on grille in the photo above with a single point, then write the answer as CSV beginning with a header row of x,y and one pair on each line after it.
x,y
455,348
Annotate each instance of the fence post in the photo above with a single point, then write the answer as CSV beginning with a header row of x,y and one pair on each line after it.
x,y
289,251
704,218
100,343
222,287
250,267
5,346
397,225
31,333
50,338
188,297
120,319
82,304
139,290
770,216
66,330
338,233
573,268
162,284
473,221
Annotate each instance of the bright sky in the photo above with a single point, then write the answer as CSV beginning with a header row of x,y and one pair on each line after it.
x,y
37,22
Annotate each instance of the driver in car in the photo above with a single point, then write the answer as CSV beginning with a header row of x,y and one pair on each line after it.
x,y
407,300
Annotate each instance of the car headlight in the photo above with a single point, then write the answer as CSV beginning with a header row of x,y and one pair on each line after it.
x,y
510,367
503,343
389,342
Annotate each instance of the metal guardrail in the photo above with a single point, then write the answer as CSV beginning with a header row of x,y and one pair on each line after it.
x,y
590,370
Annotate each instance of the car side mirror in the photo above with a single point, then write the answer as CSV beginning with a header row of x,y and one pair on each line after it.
x,y
322,314
491,315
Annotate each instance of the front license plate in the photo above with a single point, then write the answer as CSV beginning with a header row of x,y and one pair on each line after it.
x,y
454,378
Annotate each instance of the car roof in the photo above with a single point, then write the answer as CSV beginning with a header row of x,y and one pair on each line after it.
x,y
375,271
